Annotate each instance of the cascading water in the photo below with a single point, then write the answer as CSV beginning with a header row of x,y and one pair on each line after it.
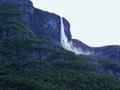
x,y
64,40
62,33
68,44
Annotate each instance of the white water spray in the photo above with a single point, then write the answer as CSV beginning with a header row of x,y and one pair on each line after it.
x,y
64,40
68,44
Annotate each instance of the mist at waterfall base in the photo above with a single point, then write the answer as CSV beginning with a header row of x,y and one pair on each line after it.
x,y
68,45
94,22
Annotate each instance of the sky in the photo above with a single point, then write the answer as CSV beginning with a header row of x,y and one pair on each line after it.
x,y
94,22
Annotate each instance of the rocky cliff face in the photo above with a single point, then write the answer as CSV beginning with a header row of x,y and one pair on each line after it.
x,y
45,25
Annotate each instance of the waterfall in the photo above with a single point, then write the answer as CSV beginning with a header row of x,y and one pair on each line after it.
x,y
62,34
68,45
64,40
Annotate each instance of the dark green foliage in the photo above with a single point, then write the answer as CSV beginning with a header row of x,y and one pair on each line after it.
x,y
19,49
11,19
44,75
103,64
11,9
7,25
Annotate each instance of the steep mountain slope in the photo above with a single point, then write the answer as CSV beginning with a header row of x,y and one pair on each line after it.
x,y
28,61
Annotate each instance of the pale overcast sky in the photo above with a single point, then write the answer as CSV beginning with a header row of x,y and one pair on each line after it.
x,y
94,22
